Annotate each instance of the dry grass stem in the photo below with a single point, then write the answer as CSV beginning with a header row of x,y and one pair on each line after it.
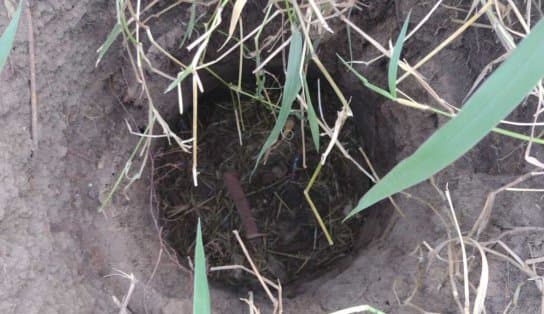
x,y
485,214
249,271
446,42
32,66
463,251
256,271
123,305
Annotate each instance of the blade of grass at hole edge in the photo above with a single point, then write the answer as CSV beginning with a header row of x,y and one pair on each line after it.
x,y
190,24
181,76
201,292
122,20
6,41
394,60
312,117
492,102
386,94
236,12
365,82
290,91
112,36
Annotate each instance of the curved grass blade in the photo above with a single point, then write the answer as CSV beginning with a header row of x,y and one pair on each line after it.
x,y
116,30
236,12
365,81
290,91
394,60
109,41
387,95
492,102
122,20
312,117
181,76
190,24
201,293
6,41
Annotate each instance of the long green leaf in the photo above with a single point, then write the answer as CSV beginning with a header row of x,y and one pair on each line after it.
x,y
290,91
394,60
201,292
312,117
493,101
6,41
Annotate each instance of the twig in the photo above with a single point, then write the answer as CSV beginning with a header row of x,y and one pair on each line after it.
x,y
123,306
249,301
340,120
303,136
280,297
256,271
448,40
32,65
195,132
358,309
483,218
247,270
312,205
463,251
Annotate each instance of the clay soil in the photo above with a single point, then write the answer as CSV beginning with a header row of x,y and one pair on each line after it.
x,y
59,254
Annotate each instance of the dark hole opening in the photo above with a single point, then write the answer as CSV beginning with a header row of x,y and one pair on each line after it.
x,y
286,241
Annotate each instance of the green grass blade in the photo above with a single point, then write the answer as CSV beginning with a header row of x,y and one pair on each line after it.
x,y
312,117
190,24
518,136
394,60
493,101
386,94
112,36
122,20
181,76
201,293
290,91
6,41
365,82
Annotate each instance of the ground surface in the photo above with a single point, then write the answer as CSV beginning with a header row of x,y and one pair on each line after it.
x,y
56,250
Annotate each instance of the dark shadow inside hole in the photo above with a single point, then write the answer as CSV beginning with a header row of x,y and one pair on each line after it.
x,y
286,243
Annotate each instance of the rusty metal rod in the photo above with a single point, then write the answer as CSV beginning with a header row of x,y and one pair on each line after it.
x,y
236,193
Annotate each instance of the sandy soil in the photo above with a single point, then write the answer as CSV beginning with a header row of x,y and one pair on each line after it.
x,y
57,251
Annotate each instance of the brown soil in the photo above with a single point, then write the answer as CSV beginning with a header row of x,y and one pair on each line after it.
x,y
57,250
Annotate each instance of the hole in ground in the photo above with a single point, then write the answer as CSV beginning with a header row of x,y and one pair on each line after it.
x,y
285,241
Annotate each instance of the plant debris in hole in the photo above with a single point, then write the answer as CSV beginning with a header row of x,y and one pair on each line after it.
x,y
269,208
